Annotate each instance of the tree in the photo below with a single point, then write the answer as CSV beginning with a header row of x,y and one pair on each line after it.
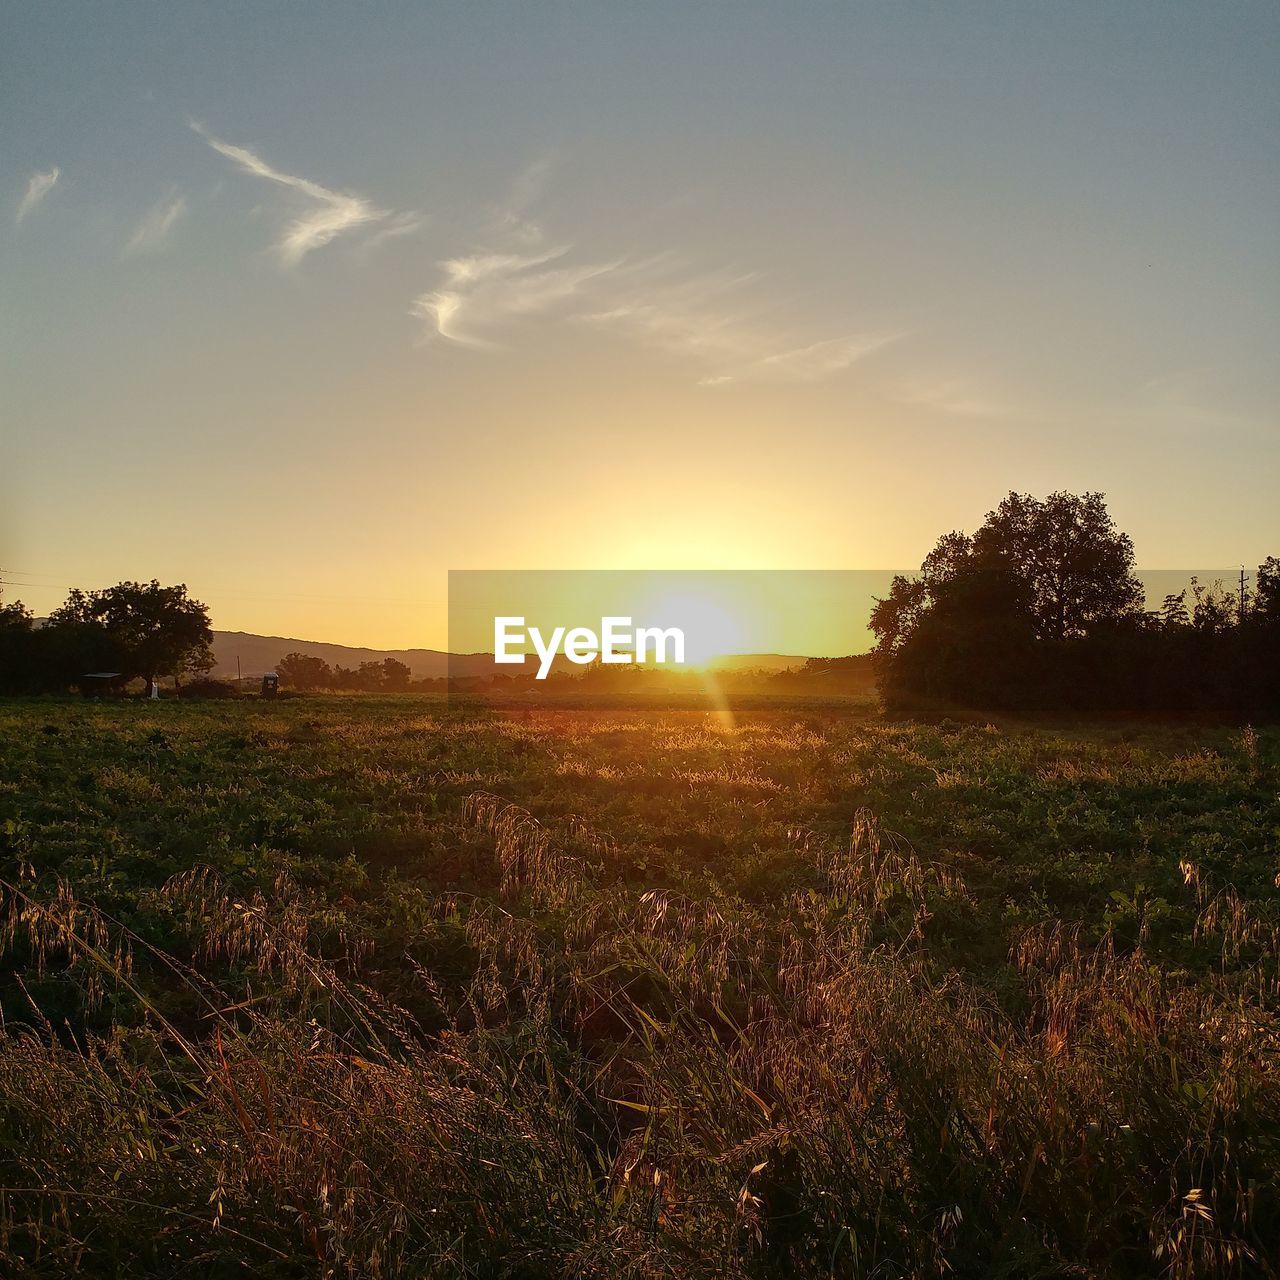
x,y
389,675
972,641
1266,592
19,650
395,674
370,676
140,629
895,618
1173,614
1076,564
1062,560
15,617
1215,610
304,671
978,622
1260,656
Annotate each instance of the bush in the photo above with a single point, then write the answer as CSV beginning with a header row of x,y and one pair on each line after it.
x,y
209,688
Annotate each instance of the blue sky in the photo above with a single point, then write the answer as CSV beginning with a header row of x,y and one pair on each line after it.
x,y
307,304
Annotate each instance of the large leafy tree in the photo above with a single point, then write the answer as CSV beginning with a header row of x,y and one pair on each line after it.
x,y
142,629
1076,565
974,624
304,671
1062,562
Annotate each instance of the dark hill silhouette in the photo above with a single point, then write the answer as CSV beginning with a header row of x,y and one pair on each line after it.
x,y
261,653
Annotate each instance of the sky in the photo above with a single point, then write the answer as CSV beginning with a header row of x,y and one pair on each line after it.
x,y
305,306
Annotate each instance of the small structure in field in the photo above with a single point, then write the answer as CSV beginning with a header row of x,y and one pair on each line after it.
x,y
270,684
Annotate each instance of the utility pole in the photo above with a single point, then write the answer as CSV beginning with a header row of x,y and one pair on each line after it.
x,y
238,675
1244,594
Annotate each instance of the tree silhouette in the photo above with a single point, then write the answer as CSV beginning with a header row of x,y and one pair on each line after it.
x,y
395,674
304,671
998,618
140,629
1077,565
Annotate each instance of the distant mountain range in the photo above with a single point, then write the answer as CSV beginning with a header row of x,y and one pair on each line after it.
x,y
257,654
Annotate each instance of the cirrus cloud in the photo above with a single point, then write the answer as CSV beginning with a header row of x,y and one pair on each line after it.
x,y
38,187
152,232
328,215
482,291
724,321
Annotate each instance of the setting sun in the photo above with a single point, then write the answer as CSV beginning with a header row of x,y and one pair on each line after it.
x,y
710,629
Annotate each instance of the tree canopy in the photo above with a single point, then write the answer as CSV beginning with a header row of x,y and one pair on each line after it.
x,y
304,671
139,629
1041,609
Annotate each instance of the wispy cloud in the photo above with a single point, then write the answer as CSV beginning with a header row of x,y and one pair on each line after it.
x,y
711,318
708,317
38,186
397,227
699,314
511,217
476,268
959,397
152,232
330,213
729,324
482,291
828,356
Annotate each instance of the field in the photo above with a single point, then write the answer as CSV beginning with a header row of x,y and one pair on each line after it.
x,y
384,987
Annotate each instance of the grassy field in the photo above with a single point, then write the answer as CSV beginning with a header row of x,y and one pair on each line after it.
x,y
385,987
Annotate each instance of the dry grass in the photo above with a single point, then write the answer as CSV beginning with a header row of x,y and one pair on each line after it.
x,y
595,1077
